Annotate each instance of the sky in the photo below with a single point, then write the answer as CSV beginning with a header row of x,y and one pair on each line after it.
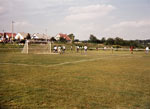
x,y
127,19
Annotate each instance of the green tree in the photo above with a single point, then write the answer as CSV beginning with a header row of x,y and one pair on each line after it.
x,y
52,39
93,39
110,41
28,36
133,43
62,39
103,40
72,37
76,40
119,41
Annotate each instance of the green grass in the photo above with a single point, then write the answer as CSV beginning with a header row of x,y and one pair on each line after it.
x,y
120,80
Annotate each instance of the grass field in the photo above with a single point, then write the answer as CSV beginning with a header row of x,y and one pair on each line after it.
x,y
97,80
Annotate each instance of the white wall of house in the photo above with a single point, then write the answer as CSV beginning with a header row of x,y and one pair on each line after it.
x,y
7,36
34,36
19,36
57,37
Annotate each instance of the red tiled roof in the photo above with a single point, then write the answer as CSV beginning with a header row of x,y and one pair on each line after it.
x,y
1,34
10,34
65,36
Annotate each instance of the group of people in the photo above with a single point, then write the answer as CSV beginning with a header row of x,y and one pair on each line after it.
x,y
81,48
146,50
59,49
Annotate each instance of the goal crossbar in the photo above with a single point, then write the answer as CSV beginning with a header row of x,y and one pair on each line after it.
x,y
37,47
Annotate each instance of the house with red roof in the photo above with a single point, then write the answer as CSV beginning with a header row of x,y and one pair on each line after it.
x,y
9,35
65,36
1,34
1,37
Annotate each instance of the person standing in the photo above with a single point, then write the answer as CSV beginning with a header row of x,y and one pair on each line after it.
x,y
71,48
85,49
96,48
131,49
147,50
59,49
105,48
55,49
64,48
112,49
81,48
77,48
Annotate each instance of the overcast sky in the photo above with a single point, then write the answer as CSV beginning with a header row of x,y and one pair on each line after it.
x,y
128,19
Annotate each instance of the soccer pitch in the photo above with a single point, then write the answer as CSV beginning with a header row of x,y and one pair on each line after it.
x,y
95,80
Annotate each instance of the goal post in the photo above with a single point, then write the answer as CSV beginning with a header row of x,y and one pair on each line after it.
x,y
37,47
25,48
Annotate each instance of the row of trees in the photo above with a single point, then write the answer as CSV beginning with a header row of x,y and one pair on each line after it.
x,y
117,41
109,41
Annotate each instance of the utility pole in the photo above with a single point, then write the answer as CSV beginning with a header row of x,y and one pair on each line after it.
x,y
12,34
3,33
46,34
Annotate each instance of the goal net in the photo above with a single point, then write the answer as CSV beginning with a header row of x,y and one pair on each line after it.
x,y
37,47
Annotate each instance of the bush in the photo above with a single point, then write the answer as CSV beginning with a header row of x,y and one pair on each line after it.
x,y
116,46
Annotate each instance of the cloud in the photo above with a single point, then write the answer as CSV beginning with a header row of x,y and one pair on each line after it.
x,y
23,23
88,12
23,26
85,20
130,29
135,24
2,10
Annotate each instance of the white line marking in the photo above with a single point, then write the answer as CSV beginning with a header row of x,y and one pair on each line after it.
x,y
64,63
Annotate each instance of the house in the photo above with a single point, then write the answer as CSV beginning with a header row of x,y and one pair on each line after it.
x,y
21,36
6,37
9,35
1,34
65,36
1,37
40,36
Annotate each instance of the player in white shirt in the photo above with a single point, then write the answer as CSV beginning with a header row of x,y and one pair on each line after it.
x,y
85,49
147,50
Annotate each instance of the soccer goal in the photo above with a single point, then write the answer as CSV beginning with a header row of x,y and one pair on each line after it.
x,y
37,47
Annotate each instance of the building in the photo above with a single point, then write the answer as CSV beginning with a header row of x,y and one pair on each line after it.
x,y
40,36
1,34
1,37
65,36
21,36
6,37
9,35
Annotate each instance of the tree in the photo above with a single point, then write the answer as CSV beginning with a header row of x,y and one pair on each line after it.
x,y
119,41
93,39
133,43
28,36
62,39
110,41
52,39
103,40
76,40
72,37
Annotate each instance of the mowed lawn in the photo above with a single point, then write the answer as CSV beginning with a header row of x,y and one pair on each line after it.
x,y
96,80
